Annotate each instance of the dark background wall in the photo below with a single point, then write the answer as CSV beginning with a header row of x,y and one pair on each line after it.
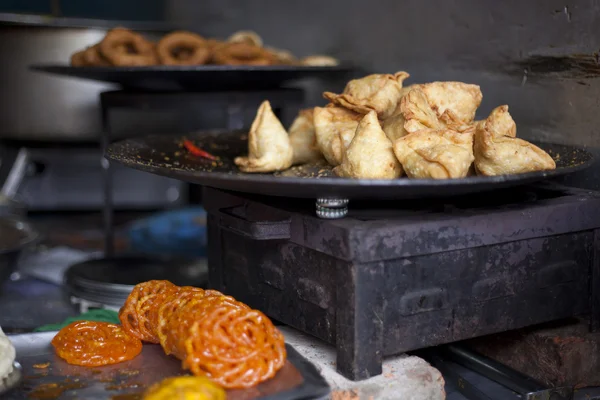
x,y
496,44
130,10
539,57
483,42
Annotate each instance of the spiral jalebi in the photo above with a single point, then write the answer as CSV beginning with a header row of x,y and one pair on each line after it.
x,y
214,335
94,343
234,346
167,329
139,314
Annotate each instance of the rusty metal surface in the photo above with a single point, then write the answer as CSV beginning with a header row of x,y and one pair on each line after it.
x,y
297,380
164,155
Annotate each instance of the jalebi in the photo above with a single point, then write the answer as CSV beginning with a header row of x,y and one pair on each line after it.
x,y
92,344
139,314
214,335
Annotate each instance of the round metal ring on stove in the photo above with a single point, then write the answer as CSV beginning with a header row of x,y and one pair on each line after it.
x,y
331,213
333,203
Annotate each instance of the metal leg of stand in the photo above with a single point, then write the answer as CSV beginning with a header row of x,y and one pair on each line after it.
x,y
107,210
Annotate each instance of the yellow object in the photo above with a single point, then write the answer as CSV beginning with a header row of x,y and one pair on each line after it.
x,y
185,388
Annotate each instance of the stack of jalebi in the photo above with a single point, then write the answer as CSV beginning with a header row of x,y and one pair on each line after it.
x,y
214,335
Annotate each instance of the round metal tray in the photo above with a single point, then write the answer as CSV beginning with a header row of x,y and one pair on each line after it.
x,y
197,77
163,155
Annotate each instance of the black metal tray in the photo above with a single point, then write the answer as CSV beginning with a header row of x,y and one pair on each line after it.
x,y
299,379
162,155
199,78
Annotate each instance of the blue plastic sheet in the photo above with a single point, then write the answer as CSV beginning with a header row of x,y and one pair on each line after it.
x,y
179,233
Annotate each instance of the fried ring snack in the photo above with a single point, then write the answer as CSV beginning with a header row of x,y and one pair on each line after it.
x,y
319,61
283,57
238,53
234,346
183,48
78,59
185,387
122,47
248,37
94,58
93,344
139,314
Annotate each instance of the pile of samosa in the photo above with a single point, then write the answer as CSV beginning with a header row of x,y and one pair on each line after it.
x,y
379,129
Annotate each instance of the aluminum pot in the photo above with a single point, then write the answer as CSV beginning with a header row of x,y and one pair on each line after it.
x,y
41,107
16,235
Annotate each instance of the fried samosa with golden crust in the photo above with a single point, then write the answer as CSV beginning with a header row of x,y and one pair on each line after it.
x,y
499,123
269,147
460,99
334,130
393,126
370,154
418,113
378,92
435,154
499,152
303,138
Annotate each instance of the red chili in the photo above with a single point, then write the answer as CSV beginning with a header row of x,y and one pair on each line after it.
x,y
197,151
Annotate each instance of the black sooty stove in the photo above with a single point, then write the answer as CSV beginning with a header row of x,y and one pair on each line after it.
x,y
397,276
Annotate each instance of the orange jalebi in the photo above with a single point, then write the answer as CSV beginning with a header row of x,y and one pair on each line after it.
x,y
139,314
190,313
214,335
234,346
166,315
92,344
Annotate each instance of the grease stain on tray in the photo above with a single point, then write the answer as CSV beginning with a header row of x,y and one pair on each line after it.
x,y
51,391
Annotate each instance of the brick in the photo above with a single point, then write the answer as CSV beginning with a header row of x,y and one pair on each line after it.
x,y
564,354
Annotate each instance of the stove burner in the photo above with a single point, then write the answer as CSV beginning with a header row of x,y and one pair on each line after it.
x,y
396,276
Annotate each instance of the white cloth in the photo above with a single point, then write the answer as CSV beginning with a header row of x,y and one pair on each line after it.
x,y
7,356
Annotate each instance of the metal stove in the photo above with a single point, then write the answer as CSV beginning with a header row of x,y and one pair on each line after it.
x,y
396,276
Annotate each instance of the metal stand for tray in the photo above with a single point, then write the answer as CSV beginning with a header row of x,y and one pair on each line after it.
x,y
283,101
